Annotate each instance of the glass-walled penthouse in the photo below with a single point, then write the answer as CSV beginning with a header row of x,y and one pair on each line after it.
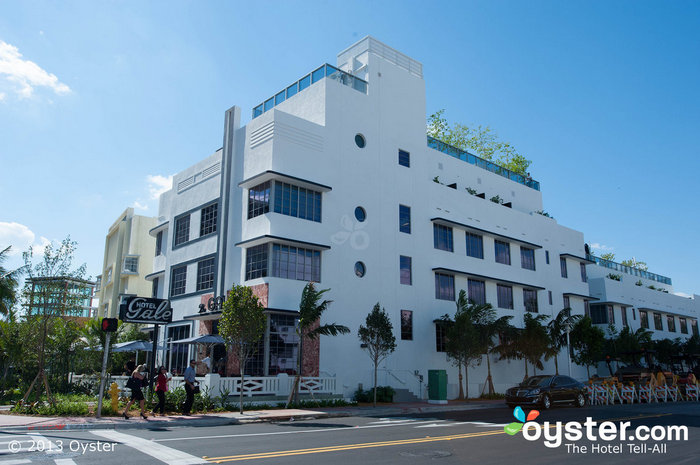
x,y
481,163
325,71
629,270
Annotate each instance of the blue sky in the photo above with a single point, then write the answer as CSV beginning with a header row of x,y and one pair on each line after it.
x,y
101,101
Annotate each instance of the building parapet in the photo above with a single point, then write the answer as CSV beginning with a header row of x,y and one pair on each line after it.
x,y
628,269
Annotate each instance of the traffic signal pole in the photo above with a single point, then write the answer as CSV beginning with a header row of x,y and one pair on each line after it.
x,y
98,413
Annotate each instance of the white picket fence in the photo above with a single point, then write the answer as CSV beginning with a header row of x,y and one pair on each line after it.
x,y
216,386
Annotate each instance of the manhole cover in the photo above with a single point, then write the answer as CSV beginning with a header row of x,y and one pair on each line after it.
x,y
431,454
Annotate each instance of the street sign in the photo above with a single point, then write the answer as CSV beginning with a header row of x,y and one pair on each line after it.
x,y
148,311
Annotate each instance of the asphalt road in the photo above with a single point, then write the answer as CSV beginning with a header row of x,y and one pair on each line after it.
x,y
475,436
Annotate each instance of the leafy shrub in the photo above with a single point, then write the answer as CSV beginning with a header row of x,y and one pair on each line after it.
x,y
493,396
614,277
60,408
471,191
384,394
496,199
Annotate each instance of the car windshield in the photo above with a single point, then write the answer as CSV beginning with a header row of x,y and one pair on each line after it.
x,y
536,381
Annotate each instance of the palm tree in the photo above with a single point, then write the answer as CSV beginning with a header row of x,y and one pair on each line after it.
x,y
558,330
311,309
533,341
490,329
8,283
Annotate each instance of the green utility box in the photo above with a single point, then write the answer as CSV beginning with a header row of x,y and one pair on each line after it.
x,y
437,386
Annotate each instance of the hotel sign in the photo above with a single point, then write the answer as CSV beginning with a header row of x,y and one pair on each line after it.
x,y
143,310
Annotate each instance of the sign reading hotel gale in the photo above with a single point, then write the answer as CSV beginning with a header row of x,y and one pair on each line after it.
x,y
143,310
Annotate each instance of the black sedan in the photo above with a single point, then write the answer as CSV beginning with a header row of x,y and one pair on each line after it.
x,y
547,390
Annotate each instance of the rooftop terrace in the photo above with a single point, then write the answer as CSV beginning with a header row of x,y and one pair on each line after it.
x,y
629,270
481,163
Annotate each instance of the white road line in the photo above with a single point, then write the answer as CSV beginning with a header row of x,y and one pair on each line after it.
x,y
14,462
44,445
275,433
148,447
64,462
481,424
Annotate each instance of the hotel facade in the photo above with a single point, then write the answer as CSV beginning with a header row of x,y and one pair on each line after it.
x,y
333,180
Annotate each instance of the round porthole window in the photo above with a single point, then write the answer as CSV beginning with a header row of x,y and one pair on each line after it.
x,y
360,214
360,269
360,140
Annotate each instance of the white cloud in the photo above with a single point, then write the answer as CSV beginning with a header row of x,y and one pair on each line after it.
x,y
158,184
139,206
20,238
601,247
2,96
683,294
24,75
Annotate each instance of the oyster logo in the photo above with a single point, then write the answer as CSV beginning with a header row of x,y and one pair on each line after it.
x,y
353,234
519,414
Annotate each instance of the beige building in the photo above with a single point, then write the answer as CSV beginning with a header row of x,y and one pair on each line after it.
x,y
128,258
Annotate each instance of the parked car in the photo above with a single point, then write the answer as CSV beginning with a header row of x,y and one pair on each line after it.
x,y
547,390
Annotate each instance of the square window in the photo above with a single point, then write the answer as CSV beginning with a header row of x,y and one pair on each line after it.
x,y
256,262
131,264
405,270
406,325
182,230
502,252
442,237
404,158
405,219
208,220
505,296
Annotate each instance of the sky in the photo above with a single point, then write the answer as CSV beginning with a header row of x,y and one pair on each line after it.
x,y
101,102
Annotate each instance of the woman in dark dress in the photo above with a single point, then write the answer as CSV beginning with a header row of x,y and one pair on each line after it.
x,y
139,376
161,387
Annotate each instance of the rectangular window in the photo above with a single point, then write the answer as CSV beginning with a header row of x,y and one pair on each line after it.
x,y
444,286
587,308
440,337
694,327
475,245
109,275
259,199
502,252
98,284
683,324
549,293
671,323
599,314
644,319
530,300
564,271
546,256
178,280
658,324
405,219
182,230
297,201
442,237
623,312
256,262
404,158
154,288
505,296
477,291
527,258
584,278
208,220
406,325
205,274
405,270
611,314
567,302
159,243
131,264
295,263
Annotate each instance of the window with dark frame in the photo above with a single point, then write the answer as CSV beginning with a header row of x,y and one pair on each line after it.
x,y
208,220
505,296
405,270
159,243
440,337
442,237
549,294
502,252
291,262
546,256
406,325
658,324
154,288
475,245
527,258
530,300
623,313
256,261
178,281
584,277
444,286
611,314
564,270
599,314
259,199
182,230
205,274
404,158
683,323
694,327
297,201
405,219
644,319
671,323
477,291
567,301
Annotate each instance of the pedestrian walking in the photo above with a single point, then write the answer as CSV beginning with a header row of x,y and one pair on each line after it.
x,y
189,387
135,383
161,388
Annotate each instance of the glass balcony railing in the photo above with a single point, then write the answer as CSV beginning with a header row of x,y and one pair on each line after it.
x,y
629,270
481,163
325,71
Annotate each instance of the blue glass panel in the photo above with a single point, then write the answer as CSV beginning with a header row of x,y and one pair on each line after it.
x,y
360,85
294,206
279,98
319,74
292,90
317,207
269,104
304,82
257,111
331,70
278,197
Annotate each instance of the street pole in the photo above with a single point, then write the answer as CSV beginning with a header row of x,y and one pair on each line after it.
x,y
104,373
568,349
154,352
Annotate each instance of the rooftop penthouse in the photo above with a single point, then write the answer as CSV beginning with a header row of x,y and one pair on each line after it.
x,y
629,270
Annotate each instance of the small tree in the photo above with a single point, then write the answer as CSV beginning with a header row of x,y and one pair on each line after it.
x,y
533,341
557,330
8,283
588,343
311,308
242,325
378,339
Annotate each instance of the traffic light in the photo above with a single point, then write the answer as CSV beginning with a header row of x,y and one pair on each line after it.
x,y
110,325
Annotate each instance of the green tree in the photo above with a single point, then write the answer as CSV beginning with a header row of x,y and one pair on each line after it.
x,y
242,326
378,338
480,140
10,343
557,330
8,283
609,256
49,299
490,328
533,341
666,351
634,263
311,309
588,343
627,344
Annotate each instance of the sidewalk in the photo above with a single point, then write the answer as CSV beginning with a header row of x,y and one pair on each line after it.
x,y
36,423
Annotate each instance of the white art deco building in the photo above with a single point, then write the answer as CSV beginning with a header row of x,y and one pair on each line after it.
x,y
333,180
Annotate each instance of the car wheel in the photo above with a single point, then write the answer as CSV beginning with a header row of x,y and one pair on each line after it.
x,y
580,400
546,402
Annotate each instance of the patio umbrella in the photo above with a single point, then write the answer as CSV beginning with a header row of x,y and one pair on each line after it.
x,y
204,339
133,346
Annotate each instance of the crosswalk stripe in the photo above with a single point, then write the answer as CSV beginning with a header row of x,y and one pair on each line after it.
x,y
64,462
14,462
148,447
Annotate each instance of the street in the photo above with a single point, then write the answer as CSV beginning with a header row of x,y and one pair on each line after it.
x,y
452,437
